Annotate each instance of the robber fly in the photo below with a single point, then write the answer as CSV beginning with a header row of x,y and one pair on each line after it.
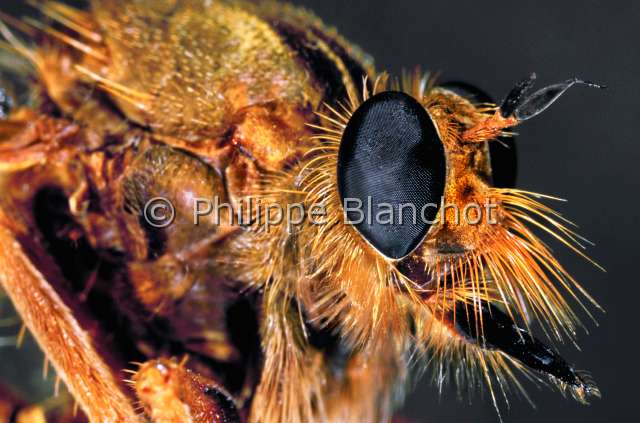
x,y
152,304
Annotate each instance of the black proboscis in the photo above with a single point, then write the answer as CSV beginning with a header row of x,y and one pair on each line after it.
x,y
499,332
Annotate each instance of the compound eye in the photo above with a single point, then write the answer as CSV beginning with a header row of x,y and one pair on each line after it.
x,y
391,172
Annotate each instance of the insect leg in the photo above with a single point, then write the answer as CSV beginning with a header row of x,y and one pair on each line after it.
x,y
170,392
67,345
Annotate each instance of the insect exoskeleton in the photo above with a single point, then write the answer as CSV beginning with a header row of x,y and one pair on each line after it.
x,y
434,248
228,201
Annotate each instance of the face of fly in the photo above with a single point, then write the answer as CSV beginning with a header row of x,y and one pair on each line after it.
x,y
425,176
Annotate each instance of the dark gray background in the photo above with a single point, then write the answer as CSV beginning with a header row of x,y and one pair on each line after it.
x,y
585,148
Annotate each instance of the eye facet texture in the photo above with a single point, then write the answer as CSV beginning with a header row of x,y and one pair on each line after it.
x,y
391,172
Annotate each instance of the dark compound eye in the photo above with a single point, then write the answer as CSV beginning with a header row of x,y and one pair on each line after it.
x,y
503,154
392,162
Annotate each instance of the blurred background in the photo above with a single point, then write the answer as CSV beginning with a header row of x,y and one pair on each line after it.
x,y
585,148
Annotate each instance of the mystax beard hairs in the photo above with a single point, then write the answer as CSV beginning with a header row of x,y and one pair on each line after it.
x,y
134,101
